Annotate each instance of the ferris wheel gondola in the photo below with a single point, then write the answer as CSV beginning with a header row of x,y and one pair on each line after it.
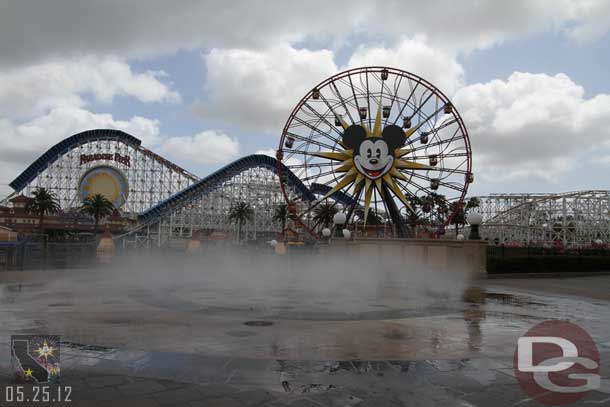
x,y
385,138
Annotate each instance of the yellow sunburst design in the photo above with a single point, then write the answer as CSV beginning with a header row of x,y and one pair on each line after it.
x,y
105,184
45,351
359,181
104,180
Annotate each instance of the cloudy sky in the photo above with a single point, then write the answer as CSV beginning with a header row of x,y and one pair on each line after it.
x,y
205,82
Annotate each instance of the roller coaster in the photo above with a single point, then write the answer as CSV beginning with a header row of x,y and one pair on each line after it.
x,y
150,177
572,219
166,202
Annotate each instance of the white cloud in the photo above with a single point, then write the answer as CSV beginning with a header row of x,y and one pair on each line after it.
x,y
269,151
207,147
416,56
34,90
259,88
532,126
23,143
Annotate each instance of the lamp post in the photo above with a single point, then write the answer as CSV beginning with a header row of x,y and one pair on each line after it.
x,y
326,232
474,219
339,220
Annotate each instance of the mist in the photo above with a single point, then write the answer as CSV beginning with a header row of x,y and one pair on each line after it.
x,y
257,277
211,303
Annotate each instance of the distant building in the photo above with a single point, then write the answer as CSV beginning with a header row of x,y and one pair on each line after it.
x,y
16,217
7,235
19,220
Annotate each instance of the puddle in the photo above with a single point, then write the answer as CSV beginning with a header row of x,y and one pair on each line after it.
x,y
17,288
379,306
378,368
512,299
395,335
316,388
241,334
86,348
258,323
119,321
476,295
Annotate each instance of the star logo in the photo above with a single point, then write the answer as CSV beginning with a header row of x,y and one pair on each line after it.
x,y
45,351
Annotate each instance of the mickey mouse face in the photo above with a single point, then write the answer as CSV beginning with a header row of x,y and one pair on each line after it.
x,y
373,156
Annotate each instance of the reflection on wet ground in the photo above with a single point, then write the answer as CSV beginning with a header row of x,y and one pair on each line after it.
x,y
208,332
207,318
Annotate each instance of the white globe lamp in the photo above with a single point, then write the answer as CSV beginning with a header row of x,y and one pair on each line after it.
x,y
474,219
339,218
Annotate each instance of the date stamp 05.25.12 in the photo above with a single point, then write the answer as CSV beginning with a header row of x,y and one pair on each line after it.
x,y
35,362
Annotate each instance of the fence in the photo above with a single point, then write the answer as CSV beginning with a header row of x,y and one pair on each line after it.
x,y
507,259
27,255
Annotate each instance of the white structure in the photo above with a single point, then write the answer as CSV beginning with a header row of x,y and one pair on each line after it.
x,y
573,218
207,210
150,178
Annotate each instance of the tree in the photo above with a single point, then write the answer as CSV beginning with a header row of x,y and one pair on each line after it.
x,y
324,214
281,214
97,206
43,203
461,210
240,213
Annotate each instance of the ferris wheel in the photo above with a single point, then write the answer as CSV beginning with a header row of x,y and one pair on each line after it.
x,y
379,143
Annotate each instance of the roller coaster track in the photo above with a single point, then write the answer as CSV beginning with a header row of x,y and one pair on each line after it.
x,y
575,219
321,189
214,180
64,146
538,201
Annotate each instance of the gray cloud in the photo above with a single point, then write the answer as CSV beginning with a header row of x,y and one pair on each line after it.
x,y
33,30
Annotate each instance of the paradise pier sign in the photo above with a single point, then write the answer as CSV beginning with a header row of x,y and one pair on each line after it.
x,y
123,159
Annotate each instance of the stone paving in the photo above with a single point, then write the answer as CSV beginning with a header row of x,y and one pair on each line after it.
x,y
190,346
423,383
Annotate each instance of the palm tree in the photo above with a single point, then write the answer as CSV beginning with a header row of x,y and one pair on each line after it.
x,y
324,214
280,215
97,206
43,203
240,213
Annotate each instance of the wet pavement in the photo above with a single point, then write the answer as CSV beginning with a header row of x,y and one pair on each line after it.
x,y
203,340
